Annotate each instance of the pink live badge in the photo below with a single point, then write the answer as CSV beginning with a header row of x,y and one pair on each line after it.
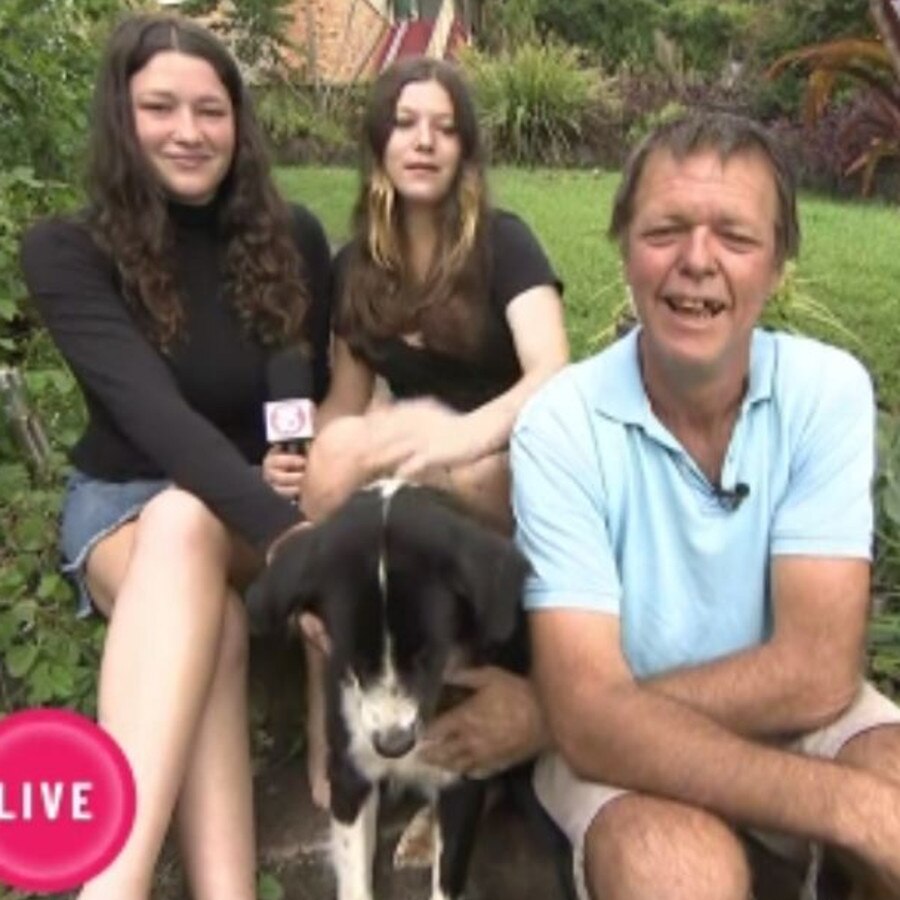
x,y
67,800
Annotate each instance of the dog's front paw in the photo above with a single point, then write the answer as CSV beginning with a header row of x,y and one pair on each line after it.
x,y
438,894
415,849
354,895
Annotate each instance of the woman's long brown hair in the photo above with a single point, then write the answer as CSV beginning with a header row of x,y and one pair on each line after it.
x,y
128,214
381,296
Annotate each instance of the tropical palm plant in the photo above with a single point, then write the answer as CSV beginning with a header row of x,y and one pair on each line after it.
x,y
872,133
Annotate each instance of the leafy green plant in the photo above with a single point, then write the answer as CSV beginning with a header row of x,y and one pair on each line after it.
x,y
47,656
532,100
268,887
794,308
709,31
23,198
48,52
873,135
508,24
620,30
885,631
256,30
887,492
289,112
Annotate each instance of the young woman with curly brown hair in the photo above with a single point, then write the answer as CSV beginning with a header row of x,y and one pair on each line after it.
x,y
166,296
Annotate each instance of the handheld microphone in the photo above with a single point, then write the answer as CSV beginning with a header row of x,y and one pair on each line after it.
x,y
290,409
732,499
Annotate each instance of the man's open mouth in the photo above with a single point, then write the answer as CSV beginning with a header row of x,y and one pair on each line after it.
x,y
698,307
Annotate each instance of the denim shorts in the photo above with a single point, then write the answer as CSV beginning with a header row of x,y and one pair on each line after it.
x,y
93,509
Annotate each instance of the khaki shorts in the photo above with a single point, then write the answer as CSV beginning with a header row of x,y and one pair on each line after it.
x,y
573,804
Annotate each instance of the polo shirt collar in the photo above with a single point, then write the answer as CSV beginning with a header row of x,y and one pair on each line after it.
x,y
622,397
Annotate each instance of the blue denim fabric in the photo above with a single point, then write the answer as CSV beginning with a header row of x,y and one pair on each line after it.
x,y
93,509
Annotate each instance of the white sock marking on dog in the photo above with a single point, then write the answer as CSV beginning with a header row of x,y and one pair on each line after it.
x,y
437,892
353,851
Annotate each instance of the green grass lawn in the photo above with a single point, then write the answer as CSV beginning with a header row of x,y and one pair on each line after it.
x,y
849,262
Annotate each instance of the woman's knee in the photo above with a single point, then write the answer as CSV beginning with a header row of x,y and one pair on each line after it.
x,y
183,522
640,847
876,750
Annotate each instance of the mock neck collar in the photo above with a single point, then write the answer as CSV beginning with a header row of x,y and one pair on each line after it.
x,y
200,216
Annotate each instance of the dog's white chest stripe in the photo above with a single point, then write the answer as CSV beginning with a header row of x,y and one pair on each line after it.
x,y
384,703
387,489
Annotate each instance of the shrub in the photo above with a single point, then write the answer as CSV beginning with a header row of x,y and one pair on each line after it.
x,y
532,101
620,30
710,33
871,135
885,637
637,99
887,558
48,658
48,54
304,126
23,198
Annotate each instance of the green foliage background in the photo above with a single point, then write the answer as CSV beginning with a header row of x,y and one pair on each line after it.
x,y
48,54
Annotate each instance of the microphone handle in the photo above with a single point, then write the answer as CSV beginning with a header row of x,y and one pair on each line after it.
x,y
296,447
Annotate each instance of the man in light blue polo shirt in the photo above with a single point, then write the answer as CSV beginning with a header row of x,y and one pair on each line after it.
x,y
695,502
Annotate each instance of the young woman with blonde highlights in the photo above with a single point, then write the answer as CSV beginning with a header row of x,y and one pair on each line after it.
x,y
453,307
167,295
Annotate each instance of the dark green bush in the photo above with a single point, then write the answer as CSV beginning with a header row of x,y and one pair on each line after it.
x,y
885,635
48,656
532,100
620,31
48,53
887,559
305,125
710,33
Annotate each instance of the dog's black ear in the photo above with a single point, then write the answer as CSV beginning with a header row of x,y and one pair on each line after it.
x,y
288,584
491,572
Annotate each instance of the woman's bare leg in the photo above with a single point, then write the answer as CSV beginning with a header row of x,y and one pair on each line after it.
x,y
215,808
165,579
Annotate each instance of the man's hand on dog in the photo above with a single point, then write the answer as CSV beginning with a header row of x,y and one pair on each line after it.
x,y
498,726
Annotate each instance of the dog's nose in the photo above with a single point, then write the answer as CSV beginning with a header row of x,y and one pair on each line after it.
x,y
394,742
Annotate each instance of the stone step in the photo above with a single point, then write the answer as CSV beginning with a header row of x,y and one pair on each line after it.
x,y
510,861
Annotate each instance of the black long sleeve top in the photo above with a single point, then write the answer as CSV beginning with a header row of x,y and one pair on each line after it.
x,y
194,413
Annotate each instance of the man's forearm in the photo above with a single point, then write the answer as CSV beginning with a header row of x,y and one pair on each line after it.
x,y
764,692
639,739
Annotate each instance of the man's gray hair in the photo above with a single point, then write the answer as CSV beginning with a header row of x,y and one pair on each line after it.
x,y
727,135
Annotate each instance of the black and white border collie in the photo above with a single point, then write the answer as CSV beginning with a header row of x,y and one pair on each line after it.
x,y
403,582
